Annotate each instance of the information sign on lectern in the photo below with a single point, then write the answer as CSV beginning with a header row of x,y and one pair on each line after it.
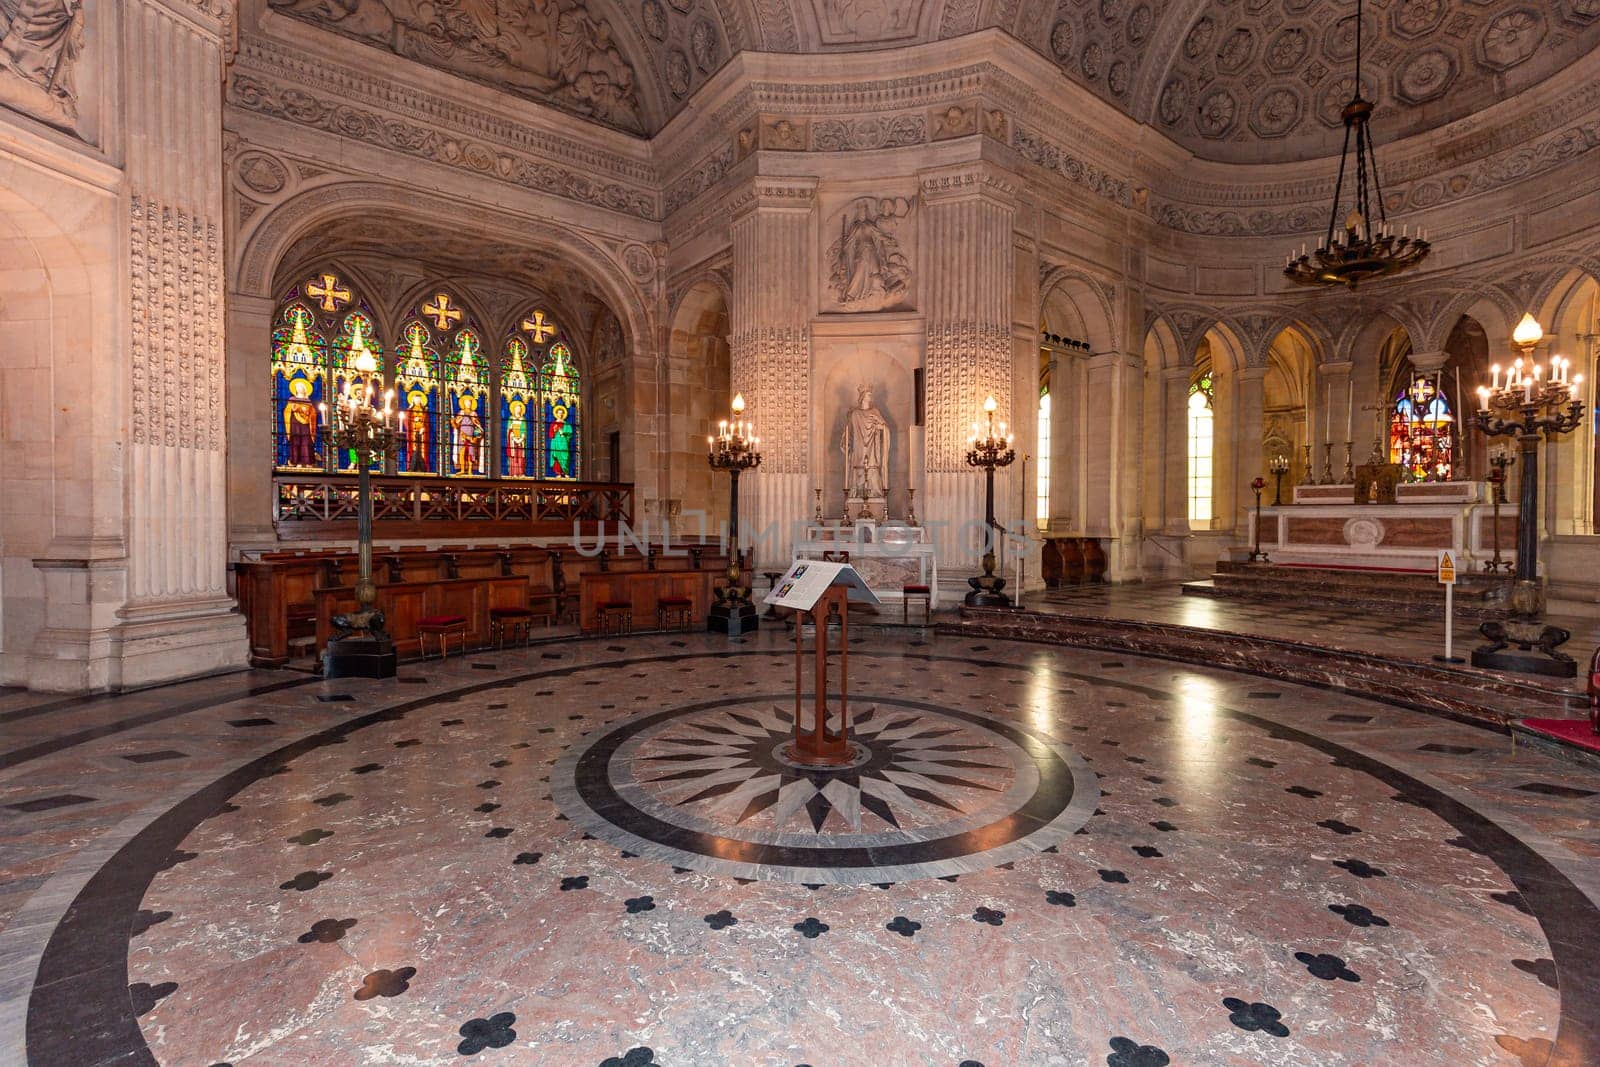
x,y
821,591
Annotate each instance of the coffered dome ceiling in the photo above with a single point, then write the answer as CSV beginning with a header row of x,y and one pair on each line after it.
x,y
1233,80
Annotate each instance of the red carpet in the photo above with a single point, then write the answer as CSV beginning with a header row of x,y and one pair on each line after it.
x,y
1571,731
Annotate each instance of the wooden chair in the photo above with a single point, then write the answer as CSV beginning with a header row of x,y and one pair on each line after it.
x,y
615,616
519,621
915,592
675,611
441,627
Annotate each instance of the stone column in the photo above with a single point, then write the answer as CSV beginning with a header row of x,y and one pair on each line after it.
x,y
1248,463
966,241
1335,410
1175,450
178,619
1111,477
770,325
250,492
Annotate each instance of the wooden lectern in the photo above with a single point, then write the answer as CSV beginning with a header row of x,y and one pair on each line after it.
x,y
819,592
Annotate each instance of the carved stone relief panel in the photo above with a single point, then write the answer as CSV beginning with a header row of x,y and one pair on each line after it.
x,y
866,21
868,253
41,47
557,51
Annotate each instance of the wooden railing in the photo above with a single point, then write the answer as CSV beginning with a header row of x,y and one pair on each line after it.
x,y
317,506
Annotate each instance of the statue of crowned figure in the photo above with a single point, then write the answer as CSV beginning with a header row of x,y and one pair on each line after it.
x,y
865,446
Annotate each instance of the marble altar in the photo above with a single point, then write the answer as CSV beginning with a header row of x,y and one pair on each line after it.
x,y
1324,528
889,556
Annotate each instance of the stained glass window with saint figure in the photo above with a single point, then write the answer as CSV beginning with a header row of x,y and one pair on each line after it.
x,y
417,397
1422,432
299,388
355,347
519,402
466,377
559,401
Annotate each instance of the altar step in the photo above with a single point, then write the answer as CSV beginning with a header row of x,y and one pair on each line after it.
x,y
1415,596
1463,693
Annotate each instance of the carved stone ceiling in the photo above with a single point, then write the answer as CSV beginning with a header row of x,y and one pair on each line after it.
x,y
1234,80
396,256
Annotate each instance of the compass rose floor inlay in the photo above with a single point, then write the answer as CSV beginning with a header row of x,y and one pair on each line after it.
x,y
932,792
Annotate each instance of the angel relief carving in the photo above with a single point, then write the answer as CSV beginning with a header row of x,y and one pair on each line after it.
x,y
40,41
553,49
869,266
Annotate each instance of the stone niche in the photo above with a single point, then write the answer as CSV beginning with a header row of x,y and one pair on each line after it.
x,y
868,252
841,365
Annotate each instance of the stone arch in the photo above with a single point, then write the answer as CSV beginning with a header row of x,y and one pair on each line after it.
x,y
1493,308
262,248
699,368
61,456
1163,347
1083,303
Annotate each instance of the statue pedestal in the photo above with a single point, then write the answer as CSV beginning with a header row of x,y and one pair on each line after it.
x,y
888,557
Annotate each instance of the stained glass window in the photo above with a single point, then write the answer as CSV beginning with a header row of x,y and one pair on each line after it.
x,y
519,402
417,397
299,386
1201,440
1422,433
559,400
467,392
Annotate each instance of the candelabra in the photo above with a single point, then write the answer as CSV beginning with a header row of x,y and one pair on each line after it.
x,y
1327,463
1534,402
1499,459
1349,463
911,507
990,451
1309,476
1255,553
733,448
360,646
1279,467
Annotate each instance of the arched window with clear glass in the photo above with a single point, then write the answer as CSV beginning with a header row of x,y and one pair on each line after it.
x,y
559,397
1422,432
1201,444
308,372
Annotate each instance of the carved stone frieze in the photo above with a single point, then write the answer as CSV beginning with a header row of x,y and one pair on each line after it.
x,y
296,105
869,132
559,52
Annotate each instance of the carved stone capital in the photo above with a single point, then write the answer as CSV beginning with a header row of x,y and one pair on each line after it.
x,y
781,194
967,180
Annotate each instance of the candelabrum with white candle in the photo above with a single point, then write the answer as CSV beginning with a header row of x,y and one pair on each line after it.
x,y
734,448
1533,402
988,449
359,426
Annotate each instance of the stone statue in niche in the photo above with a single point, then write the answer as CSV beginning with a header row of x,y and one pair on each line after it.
x,y
869,269
40,41
865,445
551,49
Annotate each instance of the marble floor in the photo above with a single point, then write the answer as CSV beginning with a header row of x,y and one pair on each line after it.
x,y
1352,629
603,852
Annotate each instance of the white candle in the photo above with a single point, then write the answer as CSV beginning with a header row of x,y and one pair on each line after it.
x,y
1496,370
1483,399
1349,406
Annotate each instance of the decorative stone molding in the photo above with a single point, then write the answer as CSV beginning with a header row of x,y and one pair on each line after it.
x,y
869,132
332,116
175,260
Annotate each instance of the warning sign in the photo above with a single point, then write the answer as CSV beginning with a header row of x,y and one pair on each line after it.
x,y
1447,567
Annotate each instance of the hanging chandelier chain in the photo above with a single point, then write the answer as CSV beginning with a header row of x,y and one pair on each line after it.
x,y
1365,246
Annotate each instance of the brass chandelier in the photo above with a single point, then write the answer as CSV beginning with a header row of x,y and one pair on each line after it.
x,y
1360,249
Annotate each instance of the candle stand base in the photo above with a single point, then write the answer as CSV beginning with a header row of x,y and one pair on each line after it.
x,y
1537,648
359,657
733,617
